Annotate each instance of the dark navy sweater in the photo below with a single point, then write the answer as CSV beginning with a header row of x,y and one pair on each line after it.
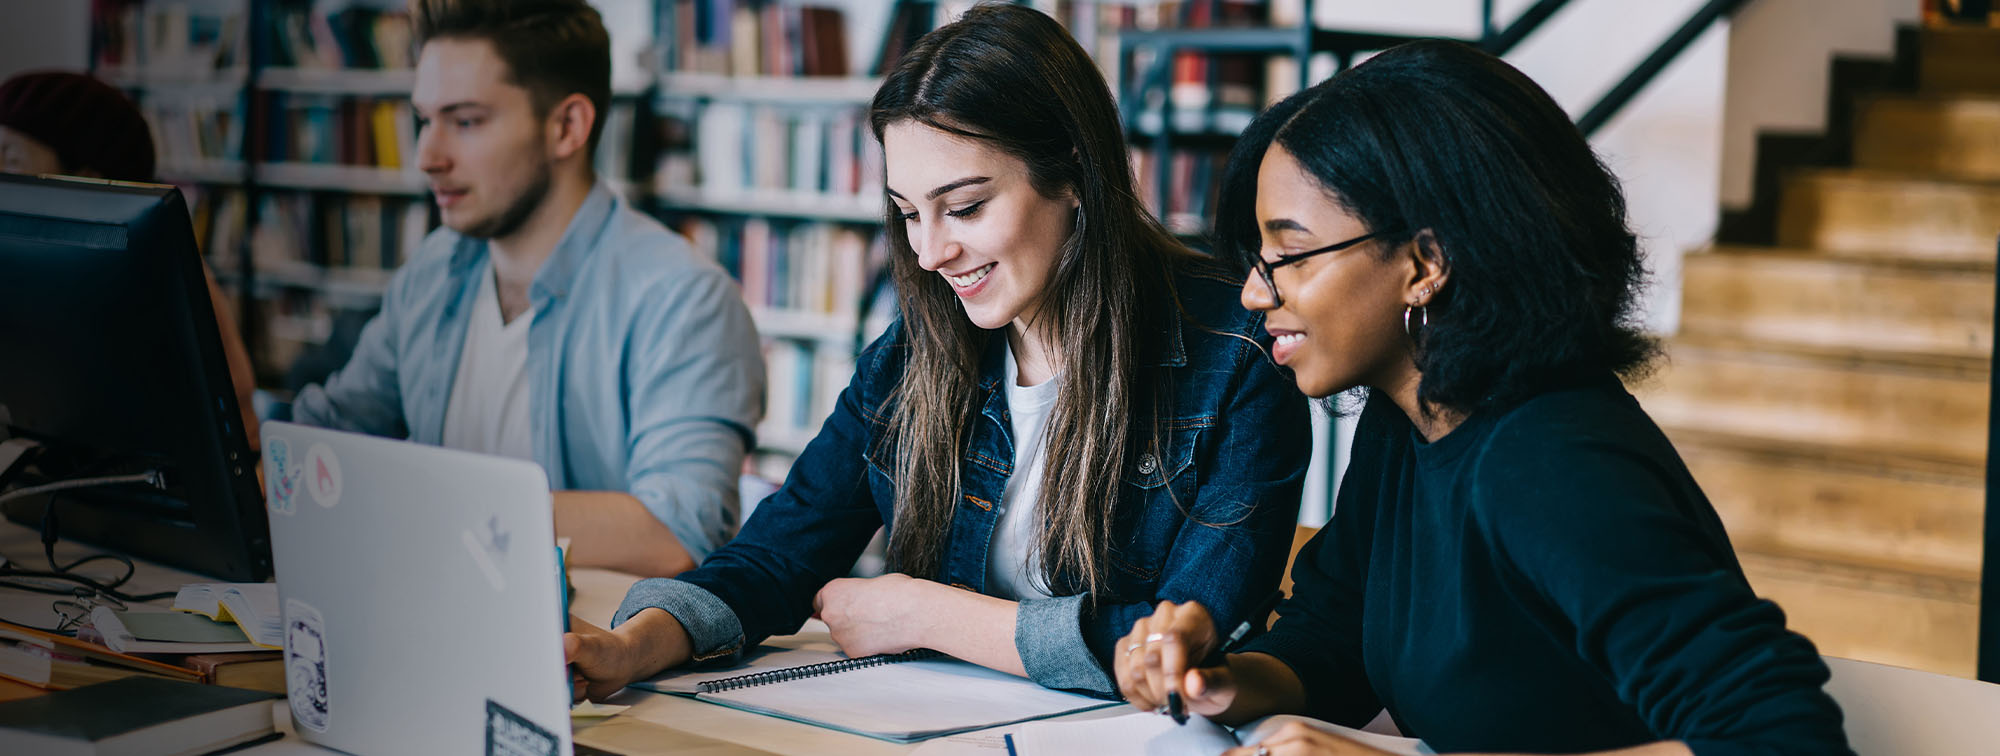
x,y
1545,578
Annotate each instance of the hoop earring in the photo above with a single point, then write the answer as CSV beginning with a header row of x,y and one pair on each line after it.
x,y
1424,319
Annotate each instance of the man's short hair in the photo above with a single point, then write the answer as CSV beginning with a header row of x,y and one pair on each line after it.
x,y
552,48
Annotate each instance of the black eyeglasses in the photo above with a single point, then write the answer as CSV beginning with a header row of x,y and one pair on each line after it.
x,y
1264,267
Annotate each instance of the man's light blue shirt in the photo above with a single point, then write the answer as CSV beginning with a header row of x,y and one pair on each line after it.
x,y
645,372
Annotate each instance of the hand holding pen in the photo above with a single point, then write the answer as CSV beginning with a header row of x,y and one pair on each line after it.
x,y
1173,661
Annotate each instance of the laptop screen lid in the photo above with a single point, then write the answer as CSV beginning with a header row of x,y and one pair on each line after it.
x,y
421,596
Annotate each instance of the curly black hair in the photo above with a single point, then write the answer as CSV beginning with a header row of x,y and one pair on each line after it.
x,y
1439,136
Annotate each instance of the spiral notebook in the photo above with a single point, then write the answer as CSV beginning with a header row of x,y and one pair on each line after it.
x,y
901,698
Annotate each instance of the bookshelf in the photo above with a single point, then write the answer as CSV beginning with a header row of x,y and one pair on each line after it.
x,y
288,128
287,124
743,127
767,165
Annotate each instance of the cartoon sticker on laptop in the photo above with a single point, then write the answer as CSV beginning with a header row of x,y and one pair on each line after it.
x,y
323,475
284,476
305,665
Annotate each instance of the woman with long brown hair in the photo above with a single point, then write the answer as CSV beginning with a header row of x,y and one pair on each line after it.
x,y
1071,421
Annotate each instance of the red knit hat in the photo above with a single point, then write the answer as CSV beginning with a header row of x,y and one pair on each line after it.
x,y
89,124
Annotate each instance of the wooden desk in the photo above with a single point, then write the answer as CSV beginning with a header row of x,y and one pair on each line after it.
x,y
656,724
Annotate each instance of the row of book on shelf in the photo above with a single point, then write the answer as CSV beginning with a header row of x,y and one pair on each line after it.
x,y
812,154
177,40
802,267
307,34
813,158
191,39
366,236
807,283
729,38
318,128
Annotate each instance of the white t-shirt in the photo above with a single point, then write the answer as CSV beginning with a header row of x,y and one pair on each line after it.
x,y
1013,571
488,407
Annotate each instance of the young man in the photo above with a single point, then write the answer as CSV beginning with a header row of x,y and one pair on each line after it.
x,y
548,320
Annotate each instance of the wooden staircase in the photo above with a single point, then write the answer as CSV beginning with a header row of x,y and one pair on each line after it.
x,y
1830,391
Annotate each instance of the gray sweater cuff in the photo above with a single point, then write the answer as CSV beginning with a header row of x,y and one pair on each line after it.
x,y
713,630
1048,633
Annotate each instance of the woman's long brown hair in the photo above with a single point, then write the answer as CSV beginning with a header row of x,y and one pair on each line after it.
x,y
1012,77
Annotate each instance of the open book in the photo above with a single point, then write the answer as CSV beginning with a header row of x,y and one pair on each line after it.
x,y
252,606
1143,734
900,698
112,625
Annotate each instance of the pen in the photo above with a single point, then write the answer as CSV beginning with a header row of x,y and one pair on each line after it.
x,y
1215,658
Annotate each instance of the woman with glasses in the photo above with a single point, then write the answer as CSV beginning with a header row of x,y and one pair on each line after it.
x,y
1518,559
1072,420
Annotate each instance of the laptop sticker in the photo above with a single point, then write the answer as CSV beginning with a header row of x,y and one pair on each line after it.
x,y
488,547
283,475
305,665
322,473
510,734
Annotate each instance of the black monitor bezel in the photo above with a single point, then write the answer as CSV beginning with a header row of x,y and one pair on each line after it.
x,y
225,533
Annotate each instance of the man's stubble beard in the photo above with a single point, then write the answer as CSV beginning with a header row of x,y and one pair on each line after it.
x,y
518,211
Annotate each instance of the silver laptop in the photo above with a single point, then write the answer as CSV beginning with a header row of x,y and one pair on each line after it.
x,y
422,603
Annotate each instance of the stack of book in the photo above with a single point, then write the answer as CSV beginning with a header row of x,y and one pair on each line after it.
x,y
49,661
138,715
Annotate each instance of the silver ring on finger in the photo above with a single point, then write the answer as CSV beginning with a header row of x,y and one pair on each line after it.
x,y
1156,637
1134,646
1263,750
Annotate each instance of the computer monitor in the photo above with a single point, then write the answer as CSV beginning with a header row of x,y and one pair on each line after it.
x,y
111,360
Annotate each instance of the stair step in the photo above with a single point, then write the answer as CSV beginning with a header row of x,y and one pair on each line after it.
x,y
1959,59
1869,516
1890,212
1955,136
1918,622
1929,411
1806,298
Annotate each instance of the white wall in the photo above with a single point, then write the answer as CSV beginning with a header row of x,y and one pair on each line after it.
x,y
1780,54
37,34
1665,146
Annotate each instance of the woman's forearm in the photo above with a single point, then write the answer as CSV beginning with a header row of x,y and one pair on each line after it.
x,y
656,641
971,626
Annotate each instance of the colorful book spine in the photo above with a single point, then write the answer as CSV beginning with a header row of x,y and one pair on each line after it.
x,y
326,129
732,38
162,41
305,34
810,155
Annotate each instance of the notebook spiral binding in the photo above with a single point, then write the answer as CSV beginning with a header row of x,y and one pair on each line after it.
x,y
813,670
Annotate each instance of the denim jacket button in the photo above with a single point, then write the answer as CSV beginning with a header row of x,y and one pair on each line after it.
x,y
1148,463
